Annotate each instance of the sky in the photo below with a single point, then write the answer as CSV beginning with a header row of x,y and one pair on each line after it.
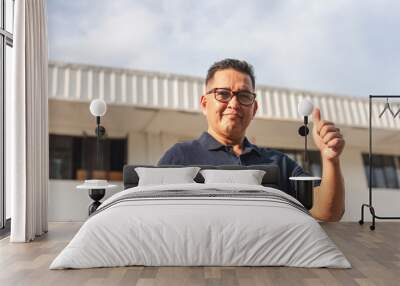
x,y
345,47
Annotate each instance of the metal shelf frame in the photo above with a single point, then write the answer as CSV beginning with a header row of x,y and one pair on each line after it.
x,y
370,205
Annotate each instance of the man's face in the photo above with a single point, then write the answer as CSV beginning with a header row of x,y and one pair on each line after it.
x,y
229,119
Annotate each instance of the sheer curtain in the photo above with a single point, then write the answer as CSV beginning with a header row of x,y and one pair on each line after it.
x,y
27,123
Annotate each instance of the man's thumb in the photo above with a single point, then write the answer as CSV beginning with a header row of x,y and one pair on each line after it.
x,y
316,115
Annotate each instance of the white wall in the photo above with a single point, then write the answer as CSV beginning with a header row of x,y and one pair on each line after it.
x,y
147,141
67,203
386,202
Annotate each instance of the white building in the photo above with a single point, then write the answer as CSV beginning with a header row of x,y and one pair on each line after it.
x,y
152,111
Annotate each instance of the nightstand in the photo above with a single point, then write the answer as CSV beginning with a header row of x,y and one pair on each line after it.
x,y
97,190
304,189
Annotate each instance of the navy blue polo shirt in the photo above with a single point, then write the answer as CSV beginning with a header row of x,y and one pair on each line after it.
x,y
206,150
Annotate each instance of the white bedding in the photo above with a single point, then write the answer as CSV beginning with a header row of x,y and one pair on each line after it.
x,y
181,231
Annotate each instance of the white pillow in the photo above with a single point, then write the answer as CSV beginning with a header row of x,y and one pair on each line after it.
x,y
163,176
249,177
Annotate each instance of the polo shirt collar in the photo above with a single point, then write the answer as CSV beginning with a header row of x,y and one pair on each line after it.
x,y
211,143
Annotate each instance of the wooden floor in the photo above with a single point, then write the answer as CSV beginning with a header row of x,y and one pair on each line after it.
x,y
375,256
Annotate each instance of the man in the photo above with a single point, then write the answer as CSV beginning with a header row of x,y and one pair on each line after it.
x,y
229,105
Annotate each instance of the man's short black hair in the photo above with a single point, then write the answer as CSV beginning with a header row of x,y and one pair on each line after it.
x,y
237,65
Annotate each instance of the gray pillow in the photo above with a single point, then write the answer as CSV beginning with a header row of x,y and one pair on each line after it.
x,y
249,177
163,176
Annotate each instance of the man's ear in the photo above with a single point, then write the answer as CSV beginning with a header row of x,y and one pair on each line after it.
x,y
255,108
203,104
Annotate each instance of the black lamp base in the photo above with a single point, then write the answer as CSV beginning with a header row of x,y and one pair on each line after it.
x,y
304,193
96,195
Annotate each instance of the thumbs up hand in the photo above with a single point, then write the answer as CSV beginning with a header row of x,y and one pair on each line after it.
x,y
327,137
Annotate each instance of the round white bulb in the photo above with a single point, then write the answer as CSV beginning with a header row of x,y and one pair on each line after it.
x,y
98,107
305,107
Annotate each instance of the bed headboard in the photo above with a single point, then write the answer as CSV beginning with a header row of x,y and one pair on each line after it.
x,y
270,179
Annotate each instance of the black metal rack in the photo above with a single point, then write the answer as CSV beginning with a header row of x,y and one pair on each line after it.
x,y
369,205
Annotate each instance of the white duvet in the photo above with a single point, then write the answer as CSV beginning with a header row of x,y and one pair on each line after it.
x,y
183,231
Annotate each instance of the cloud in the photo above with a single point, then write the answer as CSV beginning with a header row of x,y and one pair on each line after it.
x,y
341,46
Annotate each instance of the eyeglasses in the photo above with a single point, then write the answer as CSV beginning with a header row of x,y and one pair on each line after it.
x,y
225,95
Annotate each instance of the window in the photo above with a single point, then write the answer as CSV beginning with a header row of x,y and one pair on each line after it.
x,y
385,170
6,43
75,158
314,159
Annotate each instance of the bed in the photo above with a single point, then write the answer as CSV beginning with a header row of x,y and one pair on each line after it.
x,y
201,224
